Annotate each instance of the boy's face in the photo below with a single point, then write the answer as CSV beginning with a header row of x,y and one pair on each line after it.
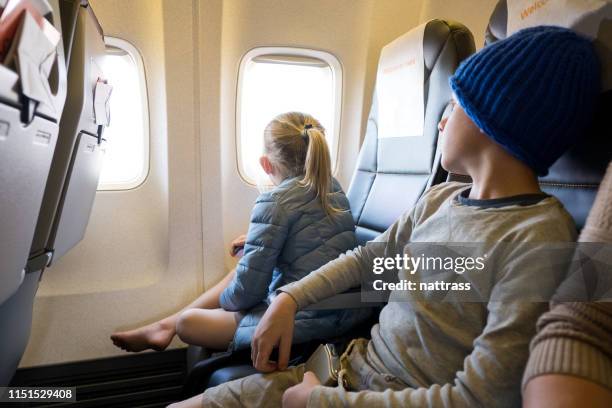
x,y
462,141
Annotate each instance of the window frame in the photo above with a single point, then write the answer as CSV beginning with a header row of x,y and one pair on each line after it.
x,y
134,53
338,82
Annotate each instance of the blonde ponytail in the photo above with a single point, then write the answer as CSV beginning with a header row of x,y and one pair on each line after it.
x,y
317,168
295,144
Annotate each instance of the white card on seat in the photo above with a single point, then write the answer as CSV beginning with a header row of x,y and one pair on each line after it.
x,y
564,13
400,87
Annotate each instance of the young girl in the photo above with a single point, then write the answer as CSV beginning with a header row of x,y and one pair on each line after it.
x,y
302,224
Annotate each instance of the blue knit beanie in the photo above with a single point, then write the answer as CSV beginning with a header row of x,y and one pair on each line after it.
x,y
534,93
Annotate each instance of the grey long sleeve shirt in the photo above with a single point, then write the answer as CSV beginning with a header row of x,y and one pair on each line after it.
x,y
449,354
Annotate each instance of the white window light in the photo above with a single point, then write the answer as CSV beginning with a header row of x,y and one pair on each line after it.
x,y
273,80
126,161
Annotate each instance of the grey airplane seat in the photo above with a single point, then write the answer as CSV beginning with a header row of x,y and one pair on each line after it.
x,y
73,178
31,104
28,137
575,177
393,170
47,210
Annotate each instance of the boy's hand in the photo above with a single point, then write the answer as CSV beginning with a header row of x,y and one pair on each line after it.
x,y
237,244
274,329
298,395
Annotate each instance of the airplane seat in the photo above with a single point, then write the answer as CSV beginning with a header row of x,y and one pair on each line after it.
x,y
394,169
57,166
397,162
30,110
575,177
73,177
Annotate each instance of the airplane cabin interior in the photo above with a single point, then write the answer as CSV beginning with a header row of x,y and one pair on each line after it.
x,y
139,138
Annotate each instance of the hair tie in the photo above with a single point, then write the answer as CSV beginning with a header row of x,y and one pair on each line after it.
x,y
305,134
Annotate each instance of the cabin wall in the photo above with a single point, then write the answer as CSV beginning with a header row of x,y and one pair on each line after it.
x,y
150,250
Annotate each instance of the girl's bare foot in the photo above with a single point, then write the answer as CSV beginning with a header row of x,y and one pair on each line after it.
x,y
156,336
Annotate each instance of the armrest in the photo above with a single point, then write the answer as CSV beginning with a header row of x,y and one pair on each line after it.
x,y
351,299
196,354
228,365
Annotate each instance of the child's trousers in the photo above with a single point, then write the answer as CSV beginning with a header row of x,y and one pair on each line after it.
x,y
266,390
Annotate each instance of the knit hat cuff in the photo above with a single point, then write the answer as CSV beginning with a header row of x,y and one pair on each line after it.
x,y
492,131
566,356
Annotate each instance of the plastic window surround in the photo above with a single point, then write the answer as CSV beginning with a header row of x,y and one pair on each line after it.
x,y
298,56
132,51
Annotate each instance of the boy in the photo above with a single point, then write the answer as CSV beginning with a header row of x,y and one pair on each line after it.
x,y
521,103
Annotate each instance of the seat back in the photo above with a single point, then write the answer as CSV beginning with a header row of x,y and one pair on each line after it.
x,y
76,166
393,169
575,177
30,108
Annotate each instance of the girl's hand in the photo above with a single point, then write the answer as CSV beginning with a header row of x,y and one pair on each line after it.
x,y
298,395
274,329
237,244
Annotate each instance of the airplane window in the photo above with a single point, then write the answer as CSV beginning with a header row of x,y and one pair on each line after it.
x,y
273,80
126,161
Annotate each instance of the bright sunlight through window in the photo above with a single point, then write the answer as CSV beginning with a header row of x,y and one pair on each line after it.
x,y
274,80
126,162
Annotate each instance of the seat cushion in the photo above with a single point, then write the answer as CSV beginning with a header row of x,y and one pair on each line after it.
x,y
230,373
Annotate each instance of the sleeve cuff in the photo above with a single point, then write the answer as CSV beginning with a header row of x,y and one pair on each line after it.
x,y
293,290
568,356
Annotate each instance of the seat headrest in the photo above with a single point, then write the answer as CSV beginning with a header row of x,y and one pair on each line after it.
x,y
589,18
400,86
